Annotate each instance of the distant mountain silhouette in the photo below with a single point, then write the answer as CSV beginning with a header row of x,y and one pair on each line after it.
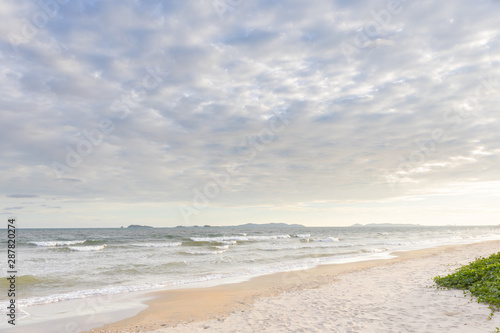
x,y
272,225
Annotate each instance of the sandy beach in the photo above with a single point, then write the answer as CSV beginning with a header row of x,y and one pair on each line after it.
x,y
395,295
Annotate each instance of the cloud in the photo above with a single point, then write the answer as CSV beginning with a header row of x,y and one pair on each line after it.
x,y
13,208
357,124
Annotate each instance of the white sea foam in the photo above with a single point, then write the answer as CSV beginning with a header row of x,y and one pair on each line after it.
x,y
157,244
232,242
303,236
311,246
329,239
238,238
57,243
87,248
205,252
268,237
219,239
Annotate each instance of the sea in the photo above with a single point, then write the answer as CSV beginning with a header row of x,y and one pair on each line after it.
x,y
55,265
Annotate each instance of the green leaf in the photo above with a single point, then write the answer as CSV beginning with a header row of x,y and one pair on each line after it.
x,y
481,277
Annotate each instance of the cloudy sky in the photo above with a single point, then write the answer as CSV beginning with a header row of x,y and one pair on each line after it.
x,y
222,112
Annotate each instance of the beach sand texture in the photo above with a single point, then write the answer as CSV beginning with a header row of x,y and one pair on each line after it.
x,y
379,296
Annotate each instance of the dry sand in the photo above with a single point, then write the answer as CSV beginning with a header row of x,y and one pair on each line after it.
x,y
375,296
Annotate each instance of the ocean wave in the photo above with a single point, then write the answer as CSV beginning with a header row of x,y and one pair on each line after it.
x,y
219,239
280,248
57,243
87,248
222,247
303,236
202,252
329,239
306,246
23,280
238,238
269,237
157,244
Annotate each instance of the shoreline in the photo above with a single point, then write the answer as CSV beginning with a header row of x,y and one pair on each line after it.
x,y
178,307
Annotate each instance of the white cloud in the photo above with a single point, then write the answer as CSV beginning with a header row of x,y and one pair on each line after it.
x,y
353,122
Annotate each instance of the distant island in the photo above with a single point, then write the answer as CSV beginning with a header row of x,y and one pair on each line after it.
x,y
281,225
136,226
270,225
248,225
385,225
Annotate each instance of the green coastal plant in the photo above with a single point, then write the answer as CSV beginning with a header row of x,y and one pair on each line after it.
x,y
480,277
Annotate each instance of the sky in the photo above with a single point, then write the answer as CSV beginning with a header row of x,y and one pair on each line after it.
x,y
223,112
